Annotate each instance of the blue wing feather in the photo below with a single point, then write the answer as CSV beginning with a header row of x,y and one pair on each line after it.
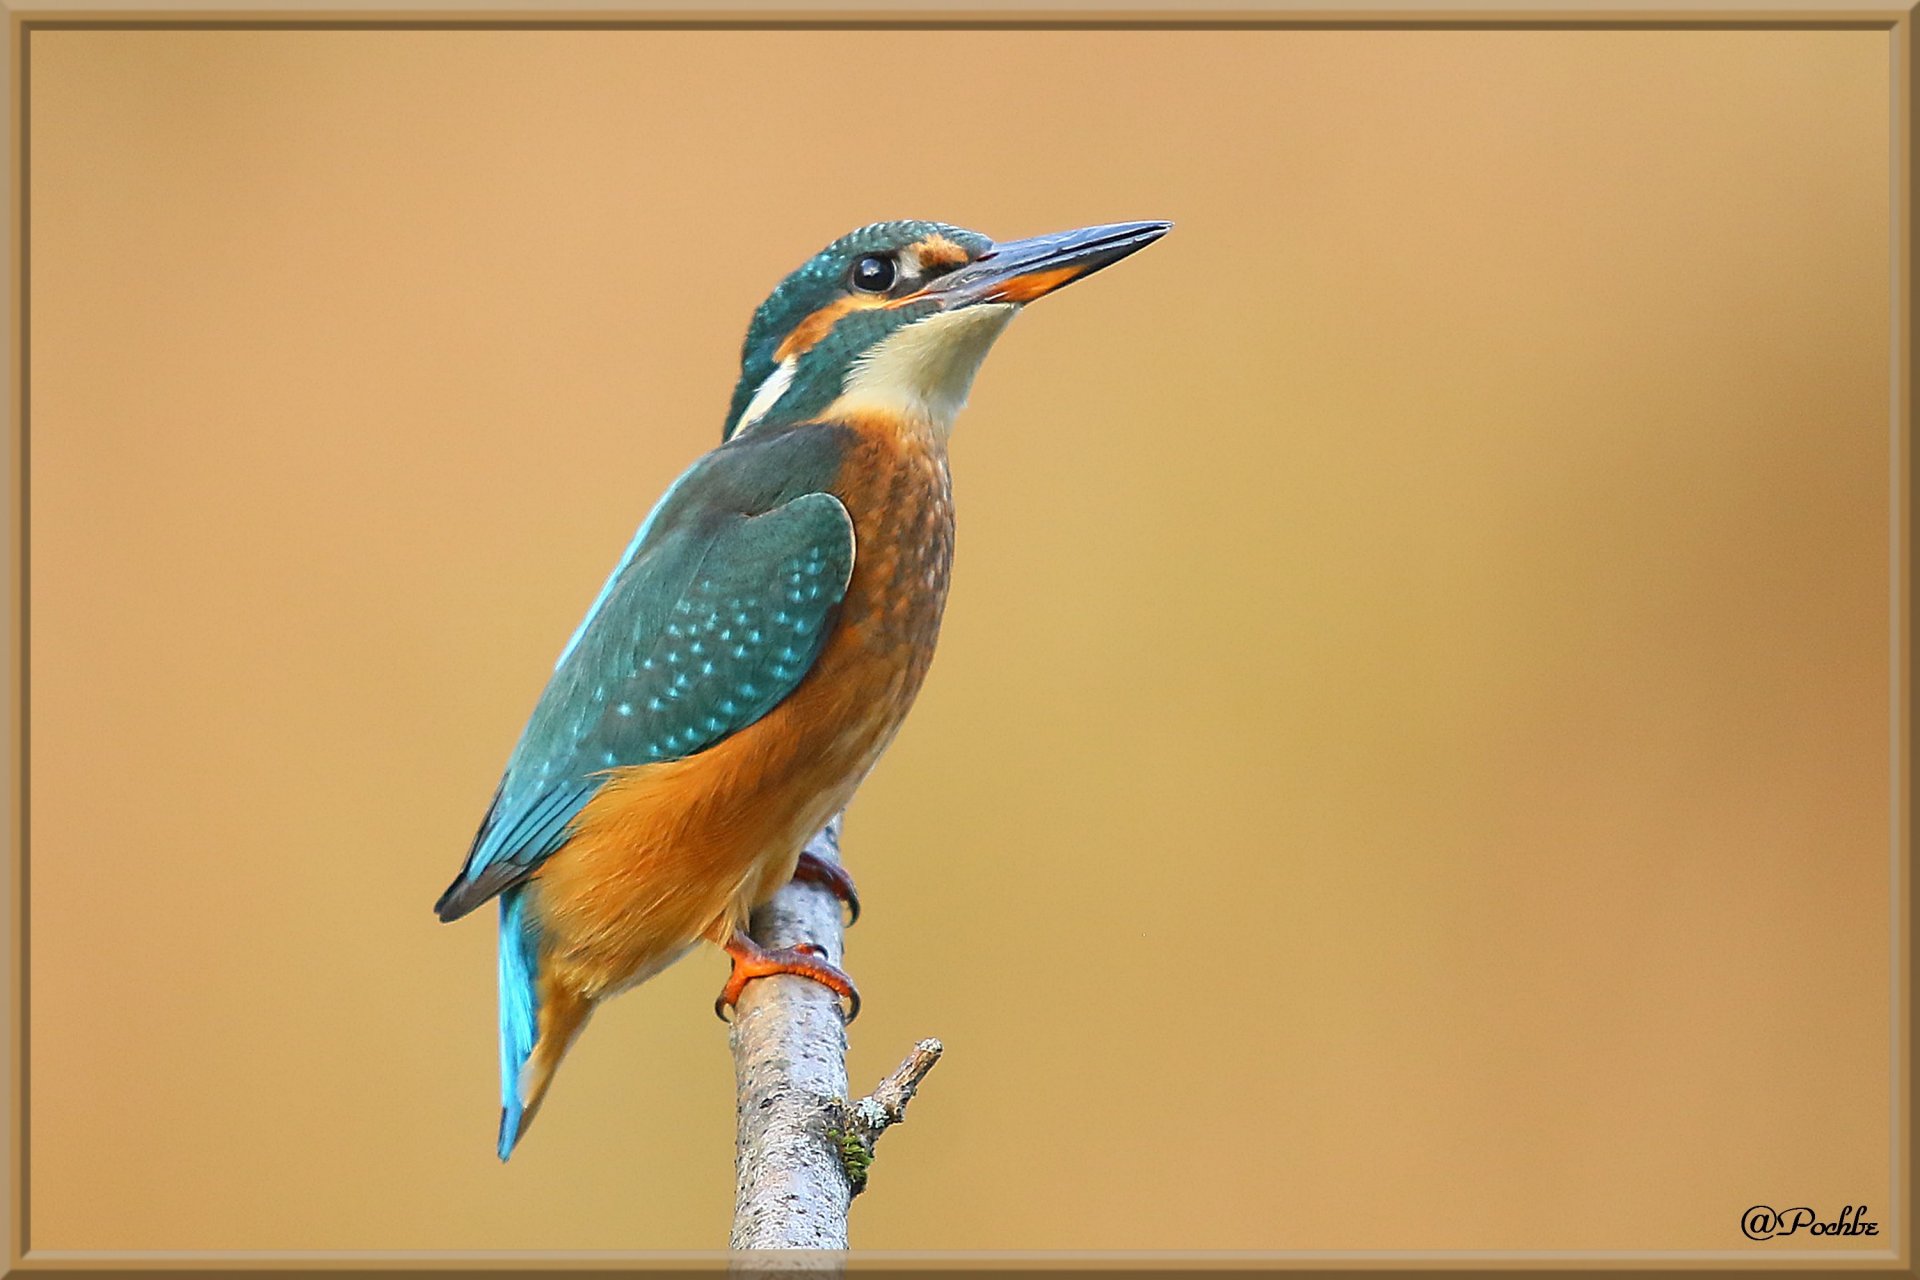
x,y
704,628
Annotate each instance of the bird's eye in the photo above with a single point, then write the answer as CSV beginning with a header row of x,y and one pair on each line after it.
x,y
873,274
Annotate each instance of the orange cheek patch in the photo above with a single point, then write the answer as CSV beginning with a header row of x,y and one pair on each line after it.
x,y
1040,283
818,325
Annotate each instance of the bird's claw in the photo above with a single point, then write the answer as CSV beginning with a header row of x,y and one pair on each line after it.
x,y
832,877
805,960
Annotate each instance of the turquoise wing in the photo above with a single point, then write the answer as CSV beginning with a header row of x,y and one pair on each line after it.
x,y
704,627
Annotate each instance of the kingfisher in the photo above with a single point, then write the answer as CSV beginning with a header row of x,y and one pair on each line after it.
x,y
757,646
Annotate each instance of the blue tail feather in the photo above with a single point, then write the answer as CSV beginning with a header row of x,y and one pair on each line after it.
x,y
519,1008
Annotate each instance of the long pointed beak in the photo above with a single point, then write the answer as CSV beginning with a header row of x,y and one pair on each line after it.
x,y
1022,270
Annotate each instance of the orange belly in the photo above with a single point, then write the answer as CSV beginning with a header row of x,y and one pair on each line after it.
x,y
668,854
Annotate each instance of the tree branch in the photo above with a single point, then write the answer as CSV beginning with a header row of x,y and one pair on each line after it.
x,y
802,1150
857,1127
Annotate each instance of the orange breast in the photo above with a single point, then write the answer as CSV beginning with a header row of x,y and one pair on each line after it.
x,y
667,854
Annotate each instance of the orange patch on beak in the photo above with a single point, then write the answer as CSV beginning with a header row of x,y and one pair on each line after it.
x,y
1034,285
818,325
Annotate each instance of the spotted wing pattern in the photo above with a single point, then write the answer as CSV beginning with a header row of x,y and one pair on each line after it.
x,y
704,628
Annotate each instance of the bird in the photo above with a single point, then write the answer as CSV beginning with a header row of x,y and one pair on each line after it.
x,y
756,647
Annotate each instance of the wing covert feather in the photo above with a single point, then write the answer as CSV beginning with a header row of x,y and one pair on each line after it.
x,y
705,627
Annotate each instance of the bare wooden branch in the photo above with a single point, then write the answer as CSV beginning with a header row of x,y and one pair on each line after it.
x,y
790,1064
802,1151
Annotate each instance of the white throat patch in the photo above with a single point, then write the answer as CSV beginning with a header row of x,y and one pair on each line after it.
x,y
924,371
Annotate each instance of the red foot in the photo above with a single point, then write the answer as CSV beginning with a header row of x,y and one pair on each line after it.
x,y
751,960
832,877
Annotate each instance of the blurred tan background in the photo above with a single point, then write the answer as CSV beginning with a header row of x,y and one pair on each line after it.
x,y
1407,765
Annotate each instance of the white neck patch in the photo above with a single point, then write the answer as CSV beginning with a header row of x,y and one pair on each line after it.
x,y
923,371
768,394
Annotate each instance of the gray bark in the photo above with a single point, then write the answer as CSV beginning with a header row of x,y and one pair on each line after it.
x,y
802,1149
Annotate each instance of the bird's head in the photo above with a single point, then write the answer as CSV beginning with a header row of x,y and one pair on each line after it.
x,y
896,317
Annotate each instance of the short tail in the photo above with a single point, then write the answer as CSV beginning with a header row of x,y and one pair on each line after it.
x,y
538,1019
